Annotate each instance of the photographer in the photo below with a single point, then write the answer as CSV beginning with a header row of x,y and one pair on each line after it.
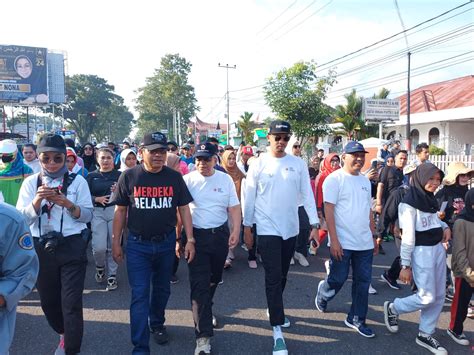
x,y
57,205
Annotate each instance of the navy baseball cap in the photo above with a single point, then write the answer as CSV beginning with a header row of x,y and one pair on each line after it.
x,y
354,147
279,126
205,150
155,140
51,143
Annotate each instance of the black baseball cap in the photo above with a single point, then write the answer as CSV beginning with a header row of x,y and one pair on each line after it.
x,y
354,147
279,126
50,142
205,150
155,140
173,143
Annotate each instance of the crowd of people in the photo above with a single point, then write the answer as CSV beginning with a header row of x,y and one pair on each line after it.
x,y
151,205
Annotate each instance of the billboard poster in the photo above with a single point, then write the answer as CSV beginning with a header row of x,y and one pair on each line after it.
x,y
23,75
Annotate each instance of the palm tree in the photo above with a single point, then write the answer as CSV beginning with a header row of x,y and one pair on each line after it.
x,y
246,126
349,115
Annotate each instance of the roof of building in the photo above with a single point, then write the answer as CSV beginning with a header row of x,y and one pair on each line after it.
x,y
202,126
440,96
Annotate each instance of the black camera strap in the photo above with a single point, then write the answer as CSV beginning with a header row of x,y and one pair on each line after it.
x,y
67,180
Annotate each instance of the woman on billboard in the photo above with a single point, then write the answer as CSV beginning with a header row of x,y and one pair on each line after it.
x,y
24,68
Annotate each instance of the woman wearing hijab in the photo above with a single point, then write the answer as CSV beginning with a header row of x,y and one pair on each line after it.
x,y
13,171
331,163
57,207
423,257
71,163
229,163
463,268
128,159
88,156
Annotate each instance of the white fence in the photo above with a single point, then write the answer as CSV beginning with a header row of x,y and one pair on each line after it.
x,y
442,161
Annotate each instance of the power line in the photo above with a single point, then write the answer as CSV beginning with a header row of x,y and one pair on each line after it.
x,y
396,34
276,18
291,19
306,19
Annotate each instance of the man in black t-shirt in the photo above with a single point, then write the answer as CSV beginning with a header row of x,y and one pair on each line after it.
x,y
150,195
391,177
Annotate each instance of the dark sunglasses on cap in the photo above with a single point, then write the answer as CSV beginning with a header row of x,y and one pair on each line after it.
x,y
58,159
278,138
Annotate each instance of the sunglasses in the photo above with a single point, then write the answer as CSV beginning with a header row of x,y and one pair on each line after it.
x,y
172,149
297,146
279,138
57,159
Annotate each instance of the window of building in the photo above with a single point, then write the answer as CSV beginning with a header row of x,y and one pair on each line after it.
x,y
433,136
415,139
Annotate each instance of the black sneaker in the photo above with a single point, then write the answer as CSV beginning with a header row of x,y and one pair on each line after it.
x,y
392,283
461,339
361,328
449,294
391,319
160,335
430,343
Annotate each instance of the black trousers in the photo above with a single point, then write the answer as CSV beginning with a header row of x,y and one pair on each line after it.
x,y
253,250
462,297
276,254
205,273
60,285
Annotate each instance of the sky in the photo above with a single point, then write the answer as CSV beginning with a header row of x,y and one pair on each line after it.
x,y
123,42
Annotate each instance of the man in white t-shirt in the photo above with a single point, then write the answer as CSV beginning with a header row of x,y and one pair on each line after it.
x,y
214,199
276,183
347,206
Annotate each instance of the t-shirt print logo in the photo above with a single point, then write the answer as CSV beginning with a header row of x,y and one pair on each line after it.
x,y
218,189
365,189
157,137
157,197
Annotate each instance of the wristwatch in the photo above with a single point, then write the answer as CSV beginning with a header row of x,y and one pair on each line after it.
x,y
316,226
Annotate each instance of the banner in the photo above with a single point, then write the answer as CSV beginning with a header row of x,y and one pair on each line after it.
x,y
23,75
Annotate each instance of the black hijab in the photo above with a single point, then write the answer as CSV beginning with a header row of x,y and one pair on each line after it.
x,y
417,196
89,160
468,213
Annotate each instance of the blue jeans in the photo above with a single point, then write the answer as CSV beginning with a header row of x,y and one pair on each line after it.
x,y
361,261
148,262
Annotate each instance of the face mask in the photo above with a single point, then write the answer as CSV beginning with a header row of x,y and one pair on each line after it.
x,y
7,158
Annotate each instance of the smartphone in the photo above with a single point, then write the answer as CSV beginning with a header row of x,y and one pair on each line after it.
x,y
373,165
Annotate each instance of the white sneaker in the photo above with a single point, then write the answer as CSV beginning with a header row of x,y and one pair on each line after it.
x,y
230,254
327,266
60,349
372,291
301,259
292,261
203,346
243,246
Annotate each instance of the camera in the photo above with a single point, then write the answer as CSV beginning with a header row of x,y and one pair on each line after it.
x,y
51,240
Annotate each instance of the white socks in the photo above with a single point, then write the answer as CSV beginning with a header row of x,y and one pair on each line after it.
x,y
277,333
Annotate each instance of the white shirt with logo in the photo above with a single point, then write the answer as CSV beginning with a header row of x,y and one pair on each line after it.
x,y
212,195
273,189
351,196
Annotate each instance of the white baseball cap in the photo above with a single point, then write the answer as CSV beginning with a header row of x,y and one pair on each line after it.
x,y
8,146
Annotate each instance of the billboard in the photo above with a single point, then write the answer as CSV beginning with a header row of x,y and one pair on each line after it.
x,y
381,109
23,75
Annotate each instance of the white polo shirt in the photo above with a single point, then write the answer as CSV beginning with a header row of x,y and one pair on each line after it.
x,y
212,195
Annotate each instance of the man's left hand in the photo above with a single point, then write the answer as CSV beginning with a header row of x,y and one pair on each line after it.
x,y
189,251
233,240
314,235
61,200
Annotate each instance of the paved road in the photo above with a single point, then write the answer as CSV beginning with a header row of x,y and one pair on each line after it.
x,y
240,307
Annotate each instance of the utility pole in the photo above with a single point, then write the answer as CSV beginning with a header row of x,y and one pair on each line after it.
x,y
227,67
408,131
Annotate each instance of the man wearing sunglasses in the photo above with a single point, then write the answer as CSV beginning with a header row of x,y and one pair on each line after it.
x,y
274,179
150,195
57,207
214,199
13,171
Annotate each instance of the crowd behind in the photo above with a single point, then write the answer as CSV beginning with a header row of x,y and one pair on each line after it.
x,y
211,199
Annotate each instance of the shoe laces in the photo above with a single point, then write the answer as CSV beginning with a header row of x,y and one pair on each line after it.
x,y
433,342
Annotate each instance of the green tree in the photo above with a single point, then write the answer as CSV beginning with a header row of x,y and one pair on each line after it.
x,y
166,93
87,94
296,94
349,115
246,126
